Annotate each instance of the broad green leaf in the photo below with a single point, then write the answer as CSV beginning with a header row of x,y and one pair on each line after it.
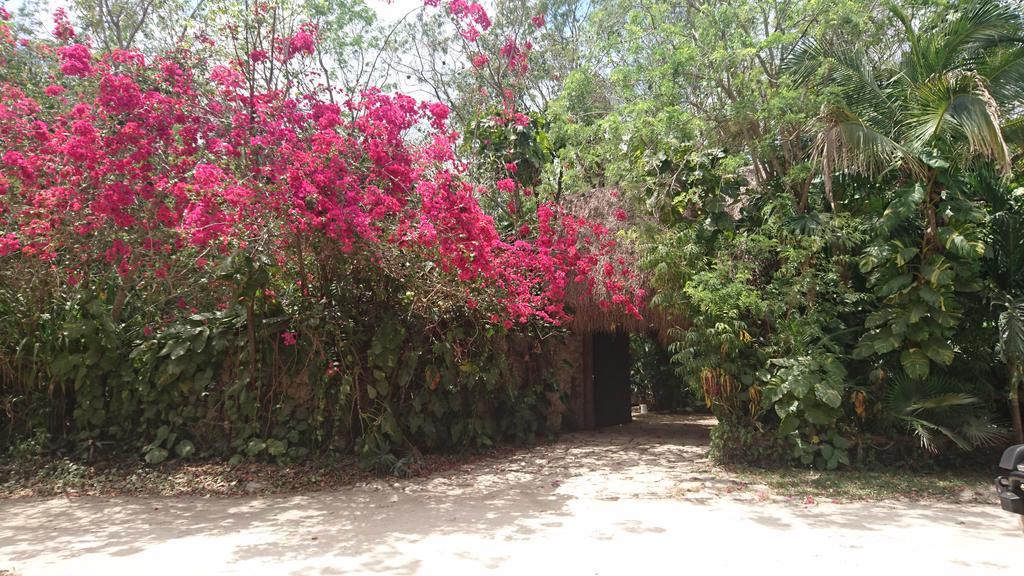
x,y
184,449
788,425
896,284
156,455
819,415
915,363
830,394
939,351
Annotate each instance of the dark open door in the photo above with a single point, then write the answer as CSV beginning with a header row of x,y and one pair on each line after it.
x,y
611,378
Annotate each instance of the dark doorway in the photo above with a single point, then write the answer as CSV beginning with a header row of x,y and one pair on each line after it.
x,y
611,378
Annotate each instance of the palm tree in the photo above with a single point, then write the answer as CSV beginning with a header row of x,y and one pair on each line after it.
x,y
936,109
925,120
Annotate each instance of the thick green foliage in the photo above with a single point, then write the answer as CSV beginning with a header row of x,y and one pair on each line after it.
x,y
367,372
654,379
830,187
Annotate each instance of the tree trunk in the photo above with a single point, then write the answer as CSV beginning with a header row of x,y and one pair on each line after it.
x,y
250,322
1018,430
932,199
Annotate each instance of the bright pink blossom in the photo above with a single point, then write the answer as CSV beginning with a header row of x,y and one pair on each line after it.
x,y
75,60
62,29
506,185
112,180
9,244
119,94
303,42
438,114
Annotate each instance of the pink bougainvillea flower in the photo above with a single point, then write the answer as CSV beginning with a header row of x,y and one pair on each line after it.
x,y
119,94
143,175
75,60
506,185
62,29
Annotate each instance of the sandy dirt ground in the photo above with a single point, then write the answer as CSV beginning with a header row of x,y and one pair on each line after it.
x,y
636,498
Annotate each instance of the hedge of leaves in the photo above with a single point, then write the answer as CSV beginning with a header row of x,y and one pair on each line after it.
x,y
224,257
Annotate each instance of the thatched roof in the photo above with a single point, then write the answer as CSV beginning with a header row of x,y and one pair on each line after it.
x,y
607,207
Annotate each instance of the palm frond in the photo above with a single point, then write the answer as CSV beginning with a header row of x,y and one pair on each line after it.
x,y
845,69
847,144
1003,70
942,401
932,407
976,27
957,102
980,431
924,430
977,116
1013,131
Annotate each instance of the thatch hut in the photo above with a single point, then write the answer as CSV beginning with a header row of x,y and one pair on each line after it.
x,y
592,363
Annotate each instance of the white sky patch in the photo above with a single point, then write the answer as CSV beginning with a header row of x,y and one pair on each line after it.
x,y
392,12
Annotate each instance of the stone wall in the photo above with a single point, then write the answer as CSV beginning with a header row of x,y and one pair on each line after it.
x,y
564,363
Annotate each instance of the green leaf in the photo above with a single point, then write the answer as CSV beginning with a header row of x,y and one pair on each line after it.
x,y
819,415
917,311
827,451
929,295
904,255
788,425
885,341
175,348
64,364
896,284
840,442
276,447
877,318
864,349
915,363
1011,333
939,351
255,446
156,455
829,393
184,449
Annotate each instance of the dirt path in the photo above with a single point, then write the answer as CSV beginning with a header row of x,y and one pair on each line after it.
x,y
639,497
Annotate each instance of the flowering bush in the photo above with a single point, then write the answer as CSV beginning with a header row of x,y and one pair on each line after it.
x,y
135,188
122,165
